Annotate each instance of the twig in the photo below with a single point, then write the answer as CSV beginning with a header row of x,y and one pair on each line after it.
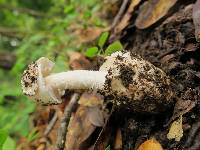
x,y
167,52
119,14
51,124
125,20
62,131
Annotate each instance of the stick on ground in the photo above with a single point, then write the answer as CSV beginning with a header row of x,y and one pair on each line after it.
x,y
62,131
51,124
120,13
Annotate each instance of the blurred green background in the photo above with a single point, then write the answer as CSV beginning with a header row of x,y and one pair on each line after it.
x,y
30,29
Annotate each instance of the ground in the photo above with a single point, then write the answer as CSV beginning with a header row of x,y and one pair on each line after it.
x,y
169,44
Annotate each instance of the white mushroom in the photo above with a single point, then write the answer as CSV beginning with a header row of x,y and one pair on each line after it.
x,y
123,79
42,86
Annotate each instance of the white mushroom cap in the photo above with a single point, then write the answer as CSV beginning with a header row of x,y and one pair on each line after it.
x,y
33,82
137,81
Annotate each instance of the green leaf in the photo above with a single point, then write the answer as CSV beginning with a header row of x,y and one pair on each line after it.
x,y
87,15
3,137
108,148
91,52
116,46
68,9
102,40
9,144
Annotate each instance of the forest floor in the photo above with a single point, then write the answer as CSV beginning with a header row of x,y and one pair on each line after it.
x,y
169,44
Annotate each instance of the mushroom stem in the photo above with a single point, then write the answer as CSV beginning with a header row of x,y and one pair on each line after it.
x,y
77,79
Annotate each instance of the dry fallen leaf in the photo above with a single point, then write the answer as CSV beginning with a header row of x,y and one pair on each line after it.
x,y
96,116
89,34
184,105
151,144
196,19
78,61
176,130
91,99
79,129
94,103
118,140
167,58
190,47
151,11
82,124
197,74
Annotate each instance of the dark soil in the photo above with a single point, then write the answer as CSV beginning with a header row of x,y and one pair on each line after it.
x,y
126,75
171,46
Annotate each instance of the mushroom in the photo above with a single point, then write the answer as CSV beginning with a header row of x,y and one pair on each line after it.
x,y
123,79
39,84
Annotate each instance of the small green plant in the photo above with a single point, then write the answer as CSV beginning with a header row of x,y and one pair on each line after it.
x,y
96,50
115,46
3,137
108,148
92,52
102,40
9,144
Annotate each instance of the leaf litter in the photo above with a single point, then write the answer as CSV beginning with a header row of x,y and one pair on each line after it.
x,y
171,45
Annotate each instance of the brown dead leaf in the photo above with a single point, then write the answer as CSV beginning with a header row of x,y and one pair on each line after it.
x,y
127,16
88,116
151,11
89,34
190,47
167,58
91,99
118,140
94,103
176,130
78,61
151,144
196,19
184,105
96,116
197,74
79,129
